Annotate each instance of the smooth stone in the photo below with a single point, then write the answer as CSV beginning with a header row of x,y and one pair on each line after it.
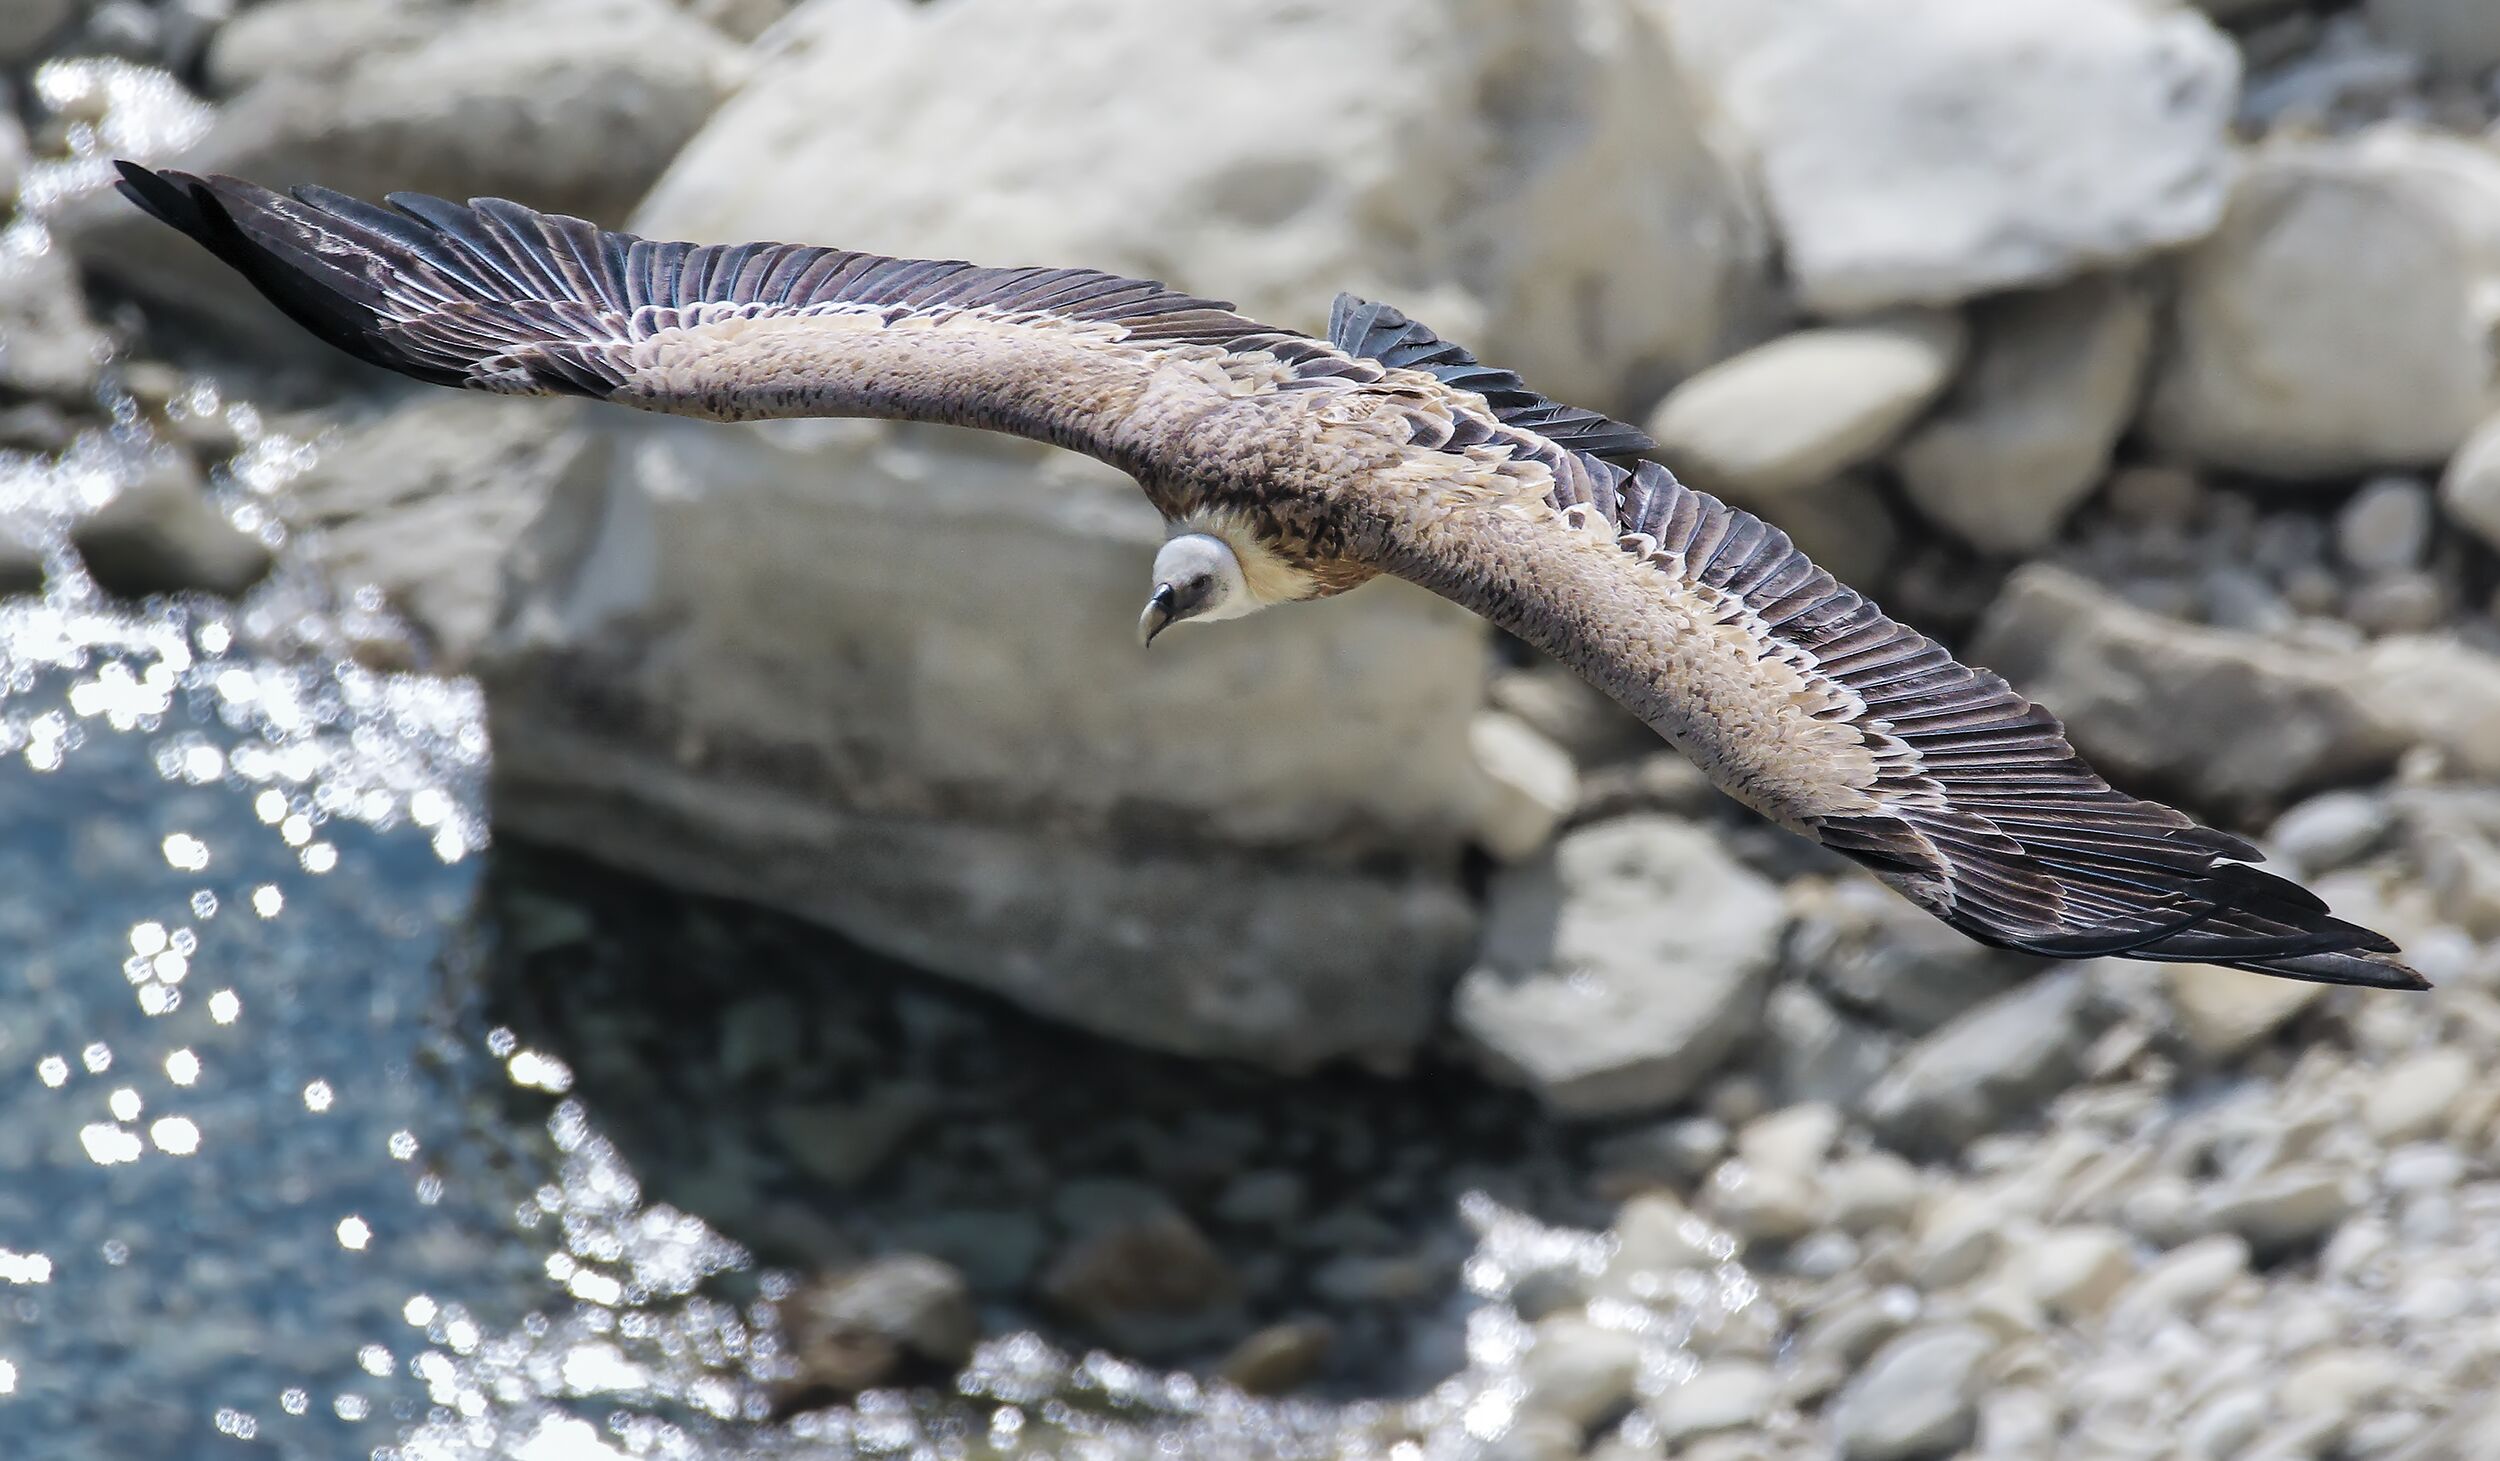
x,y
2386,526
1579,1370
1794,1140
49,347
2330,830
2284,1211
1722,1395
2076,1272
880,1322
1871,1191
161,535
25,25
2412,1099
2443,693
2226,1012
1530,785
2183,1281
1915,1397
1151,1284
1997,1063
1796,412
2470,487
2456,37
1280,1359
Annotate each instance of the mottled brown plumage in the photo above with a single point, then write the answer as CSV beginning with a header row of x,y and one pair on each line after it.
x,y
1322,463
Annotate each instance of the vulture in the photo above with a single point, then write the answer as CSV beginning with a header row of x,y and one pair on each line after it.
x,y
1291,467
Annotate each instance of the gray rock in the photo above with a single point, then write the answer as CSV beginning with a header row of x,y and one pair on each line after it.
x,y
48,345
2224,1012
25,25
427,500
1151,1284
2081,134
1764,1206
846,1143
2076,1272
1878,956
741,19
1914,1398
1578,1370
2470,488
21,566
2331,830
2285,1211
1995,1064
2288,362
2443,693
2412,1098
1621,970
1794,1140
1492,181
1871,1191
2412,602
1656,1237
15,155
1822,1054
1722,1395
2182,1282
161,535
572,105
2386,526
1674,1153
822,667
1530,783
1279,1359
2225,1423
1844,525
314,38
1794,413
2240,720
2027,432
1572,713
881,1322
2458,37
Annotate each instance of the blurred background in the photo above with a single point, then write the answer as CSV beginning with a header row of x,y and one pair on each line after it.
x,y
533,932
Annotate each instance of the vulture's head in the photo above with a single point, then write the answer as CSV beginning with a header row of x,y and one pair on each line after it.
x,y
1197,577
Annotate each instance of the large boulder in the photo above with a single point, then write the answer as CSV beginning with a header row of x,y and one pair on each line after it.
x,y
1623,969
2229,721
572,106
2027,433
1931,150
1530,179
2457,37
887,677
2341,319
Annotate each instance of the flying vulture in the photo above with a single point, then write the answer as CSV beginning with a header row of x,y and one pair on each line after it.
x,y
1291,467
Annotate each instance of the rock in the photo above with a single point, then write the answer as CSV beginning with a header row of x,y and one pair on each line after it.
x,y
2180,1283
900,1317
14,158
1844,525
1619,971
1494,179
1674,1153
1655,1239
571,105
742,19
25,25
2337,1384
1573,714
1795,1140
2223,1012
1958,1238
2443,693
1151,1284
1531,786
2470,488
161,536
2285,1211
1951,148
2239,720
21,566
1821,1054
314,38
2027,432
2386,526
2291,361
1764,1206
1878,955
2411,1099
1794,413
2411,602
845,1143
48,345
1914,1398
1872,1191
2459,37
2075,1272
1579,1371
1993,1065
887,678
1279,1359
1722,1395
2225,1423
2330,830
426,501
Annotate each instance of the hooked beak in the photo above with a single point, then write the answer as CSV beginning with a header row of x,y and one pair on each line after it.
x,y
1158,614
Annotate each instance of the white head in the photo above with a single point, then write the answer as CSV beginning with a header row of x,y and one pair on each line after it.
x,y
1196,577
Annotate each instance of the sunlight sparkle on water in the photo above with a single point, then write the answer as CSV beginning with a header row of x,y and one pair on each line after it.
x,y
109,1145
124,1104
318,1096
52,1070
175,1136
23,1268
267,900
182,1067
354,1234
224,1005
8,1378
184,851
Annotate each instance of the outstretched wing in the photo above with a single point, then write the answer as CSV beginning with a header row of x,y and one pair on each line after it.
x,y
1803,700
494,296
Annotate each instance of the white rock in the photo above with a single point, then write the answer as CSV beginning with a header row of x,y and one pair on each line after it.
x,y
1794,1139
1792,414
313,38
2443,693
2330,830
1494,179
573,106
1932,151
1872,1190
2341,318
2386,526
887,678
2027,432
1914,1397
1992,1065
1578,1370
2075,1272
2243,718
1844,525
2288,1209
1530,784
2223,1425
1619,971
48,345
1765,1205
2180,1283
2470,488
2412,1098
15,154
1657,1237
1722,1395
425,500
2458,37
2225,1011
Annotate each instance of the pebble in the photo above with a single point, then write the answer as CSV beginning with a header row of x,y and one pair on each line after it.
x,y
1763,1204
1871,1191
1579,1371
2331,830
2386,526
2076,1272
1655,1235
161,535
1279,1359
2182,1282
2224,1424
1793,1141
2284,1211
881,1322
1914,1398
1720,1396
1151,1283
2407,602
1958,1238
2411,1099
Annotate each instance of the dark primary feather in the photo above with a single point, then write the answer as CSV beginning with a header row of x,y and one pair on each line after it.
x,y
2039,853
1383,333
